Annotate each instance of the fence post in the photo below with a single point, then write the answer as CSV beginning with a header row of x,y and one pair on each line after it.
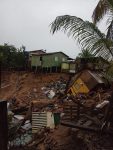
x,y
3,126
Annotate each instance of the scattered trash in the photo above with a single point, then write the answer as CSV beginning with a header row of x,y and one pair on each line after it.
x,y
27,125
102,104
51,94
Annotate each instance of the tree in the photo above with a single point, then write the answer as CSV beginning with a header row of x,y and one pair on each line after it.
x,y
12,57
8,54
109,73
85,54
87,34
104,7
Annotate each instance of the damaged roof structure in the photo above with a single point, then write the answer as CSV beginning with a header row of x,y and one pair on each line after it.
x,y
85,81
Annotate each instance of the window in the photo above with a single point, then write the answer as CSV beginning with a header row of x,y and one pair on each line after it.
x,y
40,58
63,59
77,86
56,58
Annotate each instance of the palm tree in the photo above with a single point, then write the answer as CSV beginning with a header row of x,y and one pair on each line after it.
x,y
85,54
87,34
104,7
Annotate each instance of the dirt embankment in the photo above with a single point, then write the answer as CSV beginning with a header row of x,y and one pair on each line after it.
x,y
21,85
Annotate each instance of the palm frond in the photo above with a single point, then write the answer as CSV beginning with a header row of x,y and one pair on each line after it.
x,y
103,7
110,31
103,47
87,34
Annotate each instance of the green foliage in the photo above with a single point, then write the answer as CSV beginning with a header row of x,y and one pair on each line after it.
x,y
109,72
85,54
87,34
104,7
11,57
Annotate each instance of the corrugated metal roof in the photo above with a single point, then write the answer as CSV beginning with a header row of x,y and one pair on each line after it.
x,y
39,120
51,53
98,76
41,51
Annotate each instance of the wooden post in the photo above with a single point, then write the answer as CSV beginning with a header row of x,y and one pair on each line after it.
x,y
3,126
71,112
56,70
51,70
78,110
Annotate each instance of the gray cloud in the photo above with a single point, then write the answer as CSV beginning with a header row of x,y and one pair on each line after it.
x,y
27,22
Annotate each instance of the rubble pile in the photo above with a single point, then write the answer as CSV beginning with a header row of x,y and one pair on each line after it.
x,y
25,87
92,104
24,92
19,133
39,137
84,112
55,88
85,118
90,117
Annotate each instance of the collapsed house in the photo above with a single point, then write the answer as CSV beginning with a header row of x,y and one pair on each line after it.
x,y
89,105
85,81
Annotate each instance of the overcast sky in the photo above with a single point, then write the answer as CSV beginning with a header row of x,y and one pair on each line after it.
x,y
26,22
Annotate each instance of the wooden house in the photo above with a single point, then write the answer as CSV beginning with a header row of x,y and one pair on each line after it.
x,y
34,52
65,67
69,66
72,66
48,62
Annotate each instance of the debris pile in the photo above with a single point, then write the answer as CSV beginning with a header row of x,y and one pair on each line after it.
x,y
55,88
92,104
37,112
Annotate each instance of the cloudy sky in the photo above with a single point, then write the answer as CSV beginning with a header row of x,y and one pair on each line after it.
x,y
26,22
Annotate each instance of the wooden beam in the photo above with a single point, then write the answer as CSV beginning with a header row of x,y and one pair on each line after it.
x,y
90,129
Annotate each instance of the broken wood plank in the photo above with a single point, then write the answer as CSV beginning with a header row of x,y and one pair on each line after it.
x,y
90,129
